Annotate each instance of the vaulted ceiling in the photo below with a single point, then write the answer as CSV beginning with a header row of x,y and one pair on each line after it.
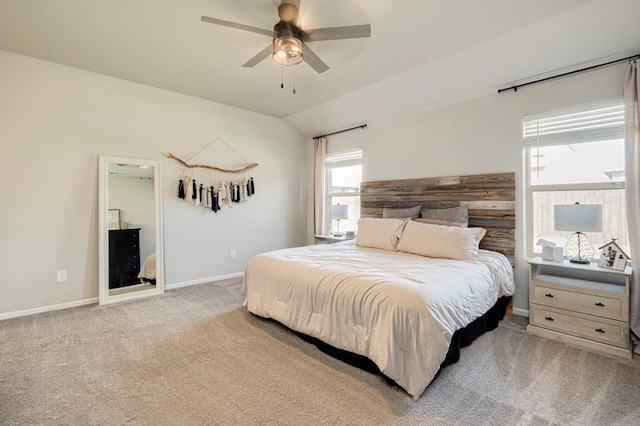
x,y
421,53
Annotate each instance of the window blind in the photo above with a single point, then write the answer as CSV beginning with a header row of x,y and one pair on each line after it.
x,y
344,158
591,123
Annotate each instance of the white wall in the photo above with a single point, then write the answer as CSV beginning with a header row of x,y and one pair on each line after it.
x,y
56,120
482,135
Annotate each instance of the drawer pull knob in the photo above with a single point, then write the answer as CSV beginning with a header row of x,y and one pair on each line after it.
x,y
599,304
548,318
599,330
548,295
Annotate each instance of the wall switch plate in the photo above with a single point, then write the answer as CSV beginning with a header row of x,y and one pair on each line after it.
x,y
232,254
62,276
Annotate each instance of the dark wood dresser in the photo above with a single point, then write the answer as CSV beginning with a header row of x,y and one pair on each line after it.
x,y
124,257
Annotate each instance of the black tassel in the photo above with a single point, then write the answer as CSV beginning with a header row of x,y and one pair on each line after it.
x,y
253,187
194,194
214,200
181,193
201,192
236,193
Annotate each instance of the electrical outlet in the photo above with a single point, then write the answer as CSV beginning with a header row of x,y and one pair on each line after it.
x,y
62,276
232,254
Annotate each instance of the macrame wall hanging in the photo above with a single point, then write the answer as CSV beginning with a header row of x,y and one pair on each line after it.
x,y
212,187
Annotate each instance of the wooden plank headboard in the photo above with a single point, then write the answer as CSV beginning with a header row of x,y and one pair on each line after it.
x,y
491,200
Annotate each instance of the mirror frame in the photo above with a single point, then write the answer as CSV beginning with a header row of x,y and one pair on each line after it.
x,y
103,232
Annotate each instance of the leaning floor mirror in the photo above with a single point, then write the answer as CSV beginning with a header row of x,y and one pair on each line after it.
x,y
130,229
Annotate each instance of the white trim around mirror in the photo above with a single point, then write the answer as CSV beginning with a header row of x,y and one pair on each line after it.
x,y
106,295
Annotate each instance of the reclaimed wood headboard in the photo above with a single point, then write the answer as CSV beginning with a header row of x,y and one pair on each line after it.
x,y
491,200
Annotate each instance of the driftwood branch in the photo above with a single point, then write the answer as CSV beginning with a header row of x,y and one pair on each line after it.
x,y
205,166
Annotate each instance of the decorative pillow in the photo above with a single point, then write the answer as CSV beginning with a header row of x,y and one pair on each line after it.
x,y
454,214
447,242
379,233
441,222
410,212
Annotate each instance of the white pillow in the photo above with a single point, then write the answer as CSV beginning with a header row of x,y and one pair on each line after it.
x,y
379,233
449,242
441,222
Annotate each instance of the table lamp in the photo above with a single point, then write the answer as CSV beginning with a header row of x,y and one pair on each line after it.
x,y
338,212
579,218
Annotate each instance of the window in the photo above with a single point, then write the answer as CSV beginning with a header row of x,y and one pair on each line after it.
x,y
575,155
343,176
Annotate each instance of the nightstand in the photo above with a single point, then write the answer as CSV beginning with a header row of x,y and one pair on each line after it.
x,y
330,239
581,305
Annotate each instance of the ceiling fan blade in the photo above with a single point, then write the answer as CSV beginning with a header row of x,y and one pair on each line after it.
x,y
314,61
235,25
337,33
261,56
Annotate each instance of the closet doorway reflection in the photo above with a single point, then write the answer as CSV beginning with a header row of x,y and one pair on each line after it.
x,y
130,229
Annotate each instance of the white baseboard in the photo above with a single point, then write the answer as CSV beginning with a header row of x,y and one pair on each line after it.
x,y
203,280
93,300
521,312
49,308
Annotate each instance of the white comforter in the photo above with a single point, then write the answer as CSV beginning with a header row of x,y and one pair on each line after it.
x,y
397,309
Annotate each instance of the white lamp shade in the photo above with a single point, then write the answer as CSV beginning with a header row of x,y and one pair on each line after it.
x,y
339,211
578,217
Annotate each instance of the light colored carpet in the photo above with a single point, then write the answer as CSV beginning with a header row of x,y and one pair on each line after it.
x,y
194,356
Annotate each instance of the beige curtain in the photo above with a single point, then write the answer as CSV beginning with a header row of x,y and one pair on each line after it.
x,y
319,157
632,184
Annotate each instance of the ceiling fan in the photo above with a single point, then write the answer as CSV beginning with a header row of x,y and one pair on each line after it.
x,y
289,40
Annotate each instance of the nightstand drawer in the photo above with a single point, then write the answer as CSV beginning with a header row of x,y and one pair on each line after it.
x,y
603,331
608,307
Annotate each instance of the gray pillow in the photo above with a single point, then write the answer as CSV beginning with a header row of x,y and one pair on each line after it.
x,y
454,214
409,212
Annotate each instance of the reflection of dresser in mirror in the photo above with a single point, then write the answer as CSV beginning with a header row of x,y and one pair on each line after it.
x,y
124,257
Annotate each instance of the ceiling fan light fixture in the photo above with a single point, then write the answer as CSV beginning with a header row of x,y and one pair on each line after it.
x,y
288,48
287,44
287,51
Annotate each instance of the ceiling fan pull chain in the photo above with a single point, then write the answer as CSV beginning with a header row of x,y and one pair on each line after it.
x,y
294,81
282,76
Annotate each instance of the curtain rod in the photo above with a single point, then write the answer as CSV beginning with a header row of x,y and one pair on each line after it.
x,y
341,131
515,88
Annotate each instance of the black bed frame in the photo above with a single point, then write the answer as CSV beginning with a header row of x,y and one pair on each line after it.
x,y
460,339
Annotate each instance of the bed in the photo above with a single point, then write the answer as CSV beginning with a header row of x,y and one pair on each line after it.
x,y
385,295
148,269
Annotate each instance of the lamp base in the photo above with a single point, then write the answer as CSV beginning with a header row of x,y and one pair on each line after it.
x,y
581,262
579,249
337,233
